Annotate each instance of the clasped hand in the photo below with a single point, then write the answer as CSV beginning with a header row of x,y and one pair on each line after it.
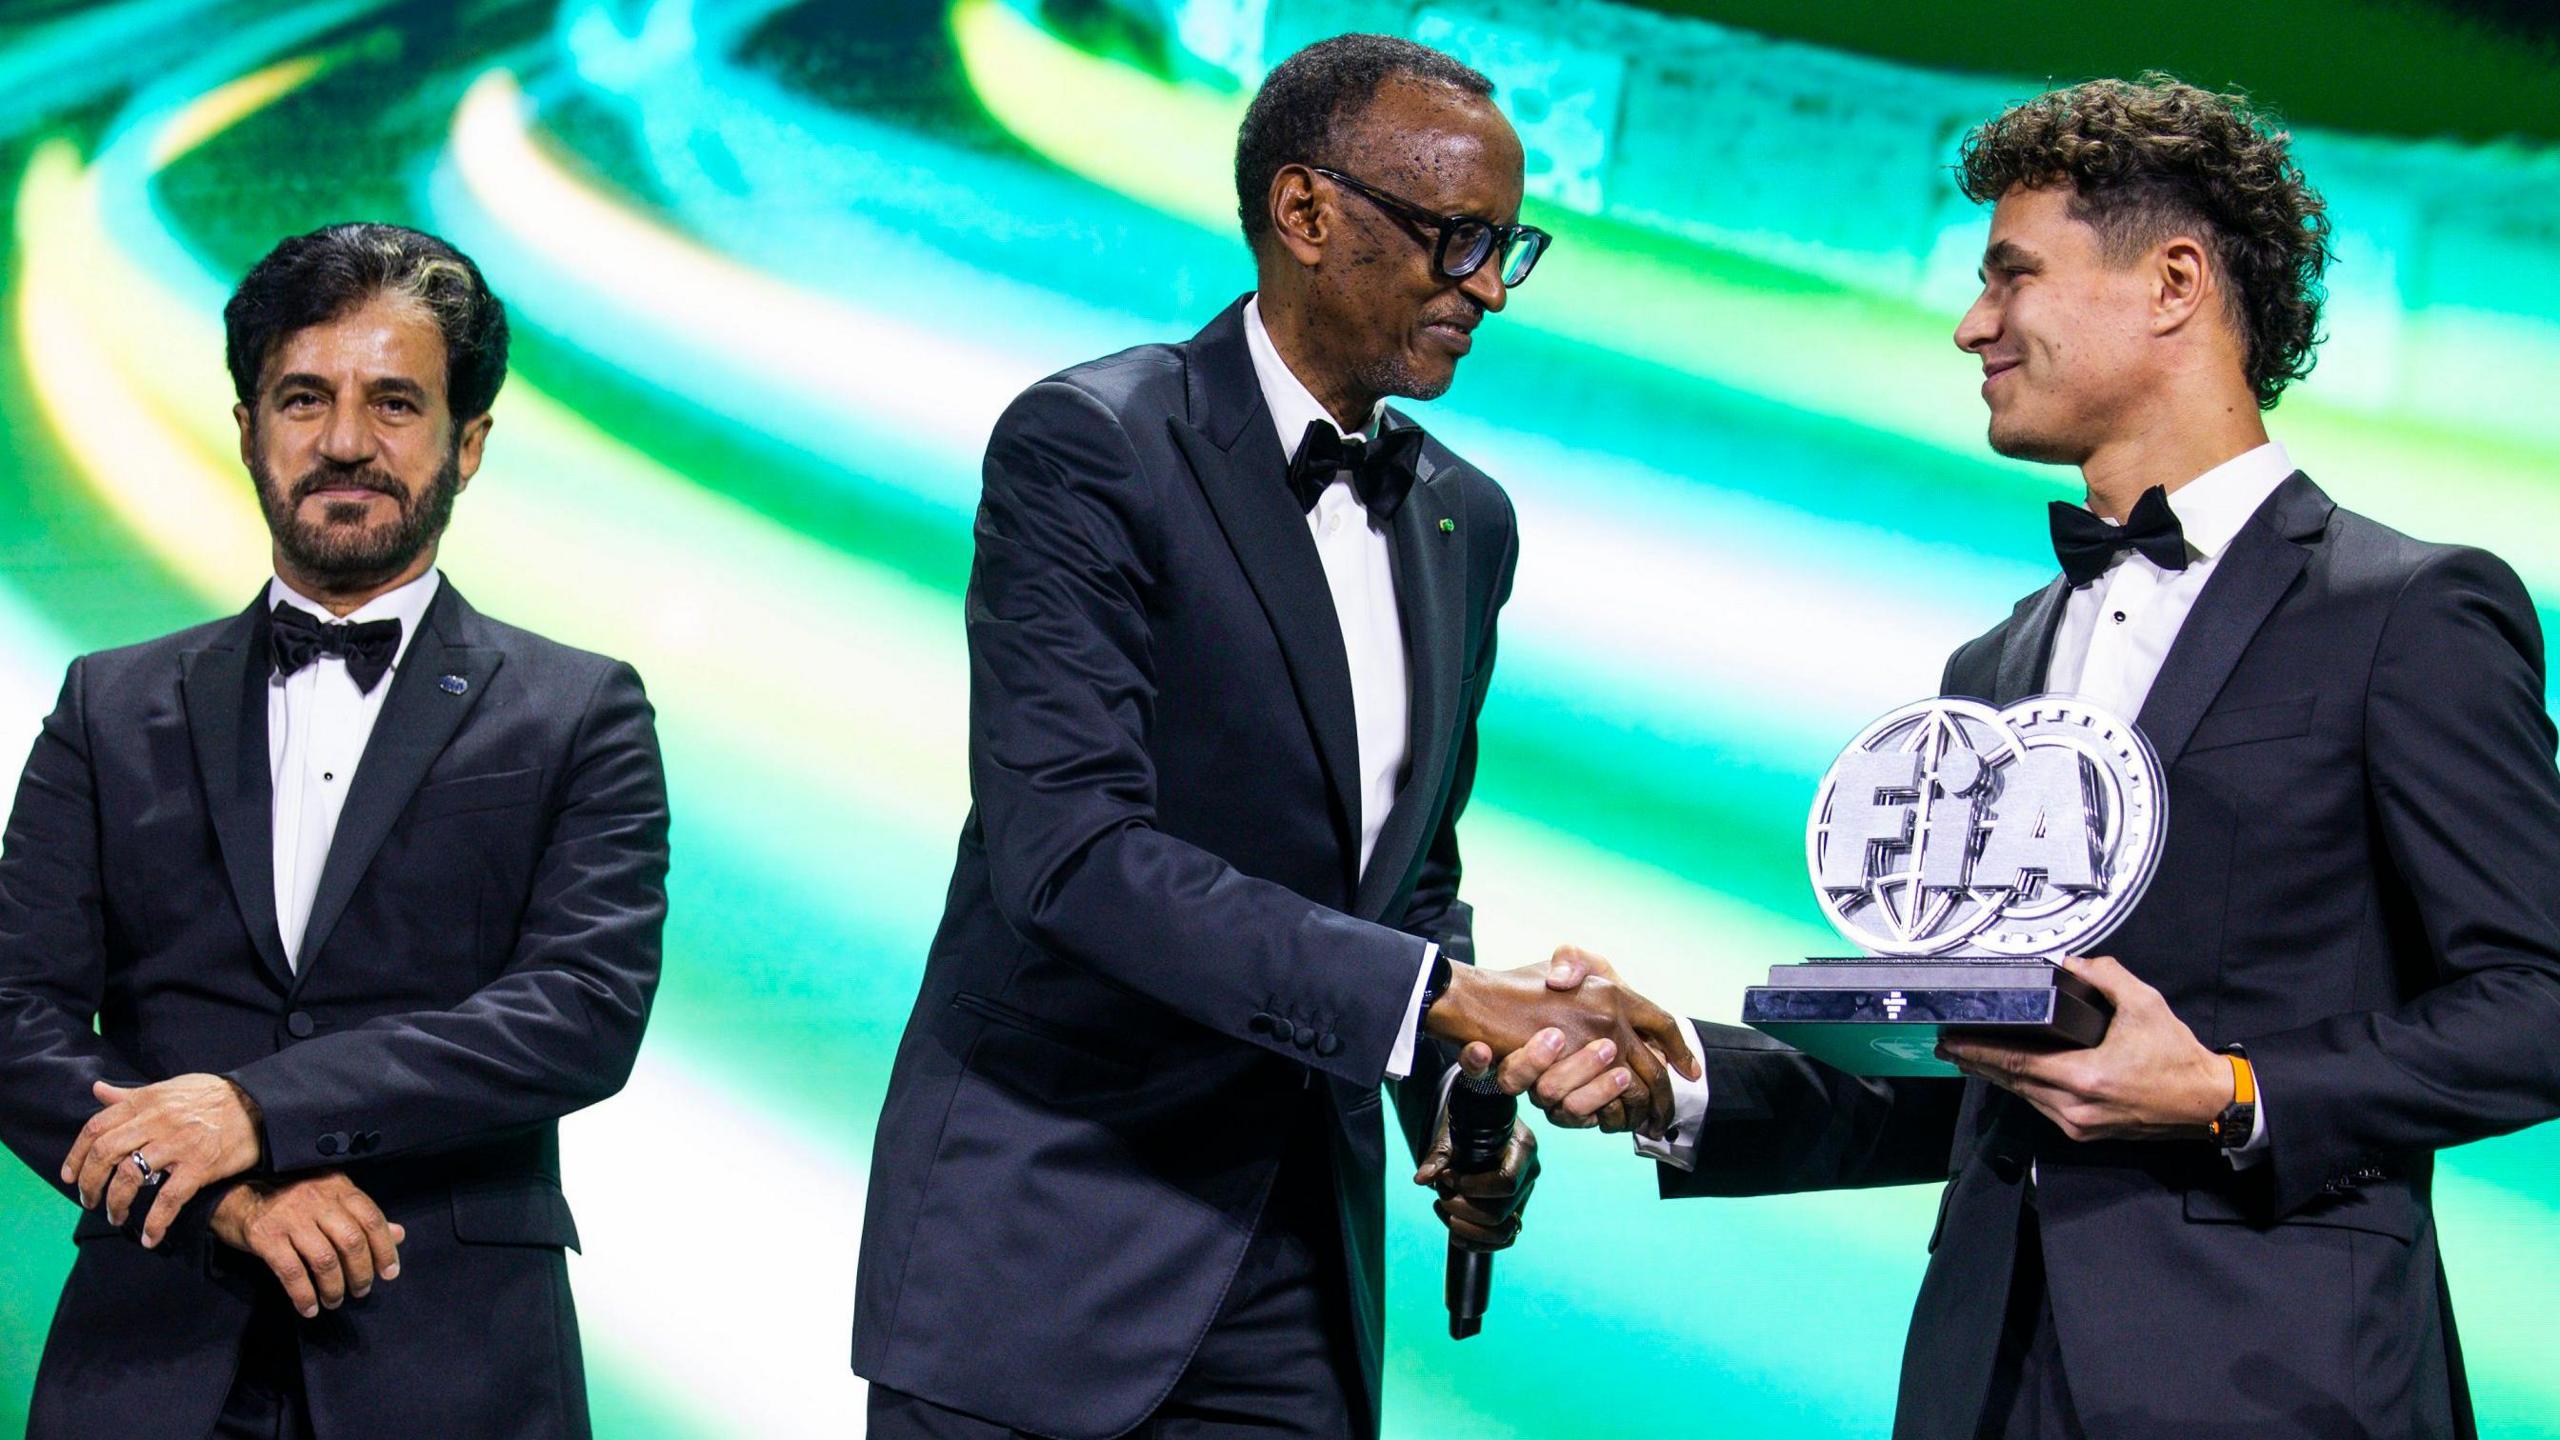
x,y
323,1238
192,1130
1575,1002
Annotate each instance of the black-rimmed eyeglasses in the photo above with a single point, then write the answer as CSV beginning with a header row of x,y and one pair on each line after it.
x,y
1465,242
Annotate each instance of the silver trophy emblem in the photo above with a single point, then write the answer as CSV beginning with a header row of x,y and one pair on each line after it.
x,y
1963,848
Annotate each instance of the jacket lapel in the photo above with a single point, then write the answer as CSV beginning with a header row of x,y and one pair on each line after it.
x,y
1236,455
419,718
224,687
1431,598
2252,575
2026,651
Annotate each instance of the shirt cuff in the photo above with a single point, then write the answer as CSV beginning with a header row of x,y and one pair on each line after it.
x,y
1400,1059
1679,1149
2255,1151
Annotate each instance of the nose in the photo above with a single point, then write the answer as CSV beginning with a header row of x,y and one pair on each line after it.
x,y
1485,285
1980,325
346,439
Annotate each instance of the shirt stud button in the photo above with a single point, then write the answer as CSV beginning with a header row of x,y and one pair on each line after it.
x,y
2119,617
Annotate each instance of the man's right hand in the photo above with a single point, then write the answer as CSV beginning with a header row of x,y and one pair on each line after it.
x,y
1509,1009
1582,1088
325,1239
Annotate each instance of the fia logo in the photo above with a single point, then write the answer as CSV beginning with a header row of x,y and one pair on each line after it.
x,y
1948,828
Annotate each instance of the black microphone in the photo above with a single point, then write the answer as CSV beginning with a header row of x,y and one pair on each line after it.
x,y
1480,1115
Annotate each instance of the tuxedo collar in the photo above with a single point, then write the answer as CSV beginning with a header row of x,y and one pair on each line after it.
x,y
1228,439
223,685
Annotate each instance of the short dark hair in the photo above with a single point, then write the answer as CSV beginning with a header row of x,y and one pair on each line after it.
x,y
2148,158
1297,116
316,278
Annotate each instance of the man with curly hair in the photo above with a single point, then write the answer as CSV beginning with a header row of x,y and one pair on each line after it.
x,y
2353,914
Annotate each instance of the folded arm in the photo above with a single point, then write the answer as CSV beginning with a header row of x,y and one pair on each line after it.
x,y
53,958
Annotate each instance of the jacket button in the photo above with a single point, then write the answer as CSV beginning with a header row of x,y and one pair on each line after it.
x,y
1303,1036
1260,1024
2007,1168
1328,1043
366,1140
331,1143
299,1024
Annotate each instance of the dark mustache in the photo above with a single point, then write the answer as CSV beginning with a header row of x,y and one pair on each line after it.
x,y
359,479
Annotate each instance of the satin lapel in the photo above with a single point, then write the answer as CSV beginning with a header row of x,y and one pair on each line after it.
x,y
225,690
1235,454
2027,650
1431,601
2252,575
1248,488
419,718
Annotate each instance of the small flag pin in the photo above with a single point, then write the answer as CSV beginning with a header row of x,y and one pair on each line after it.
x,y
453,684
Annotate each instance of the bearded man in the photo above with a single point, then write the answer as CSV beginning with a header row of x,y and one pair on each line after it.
x,y
315,920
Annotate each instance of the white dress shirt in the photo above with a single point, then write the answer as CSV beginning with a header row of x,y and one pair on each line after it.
x,y
2115,631
317,726
1358,570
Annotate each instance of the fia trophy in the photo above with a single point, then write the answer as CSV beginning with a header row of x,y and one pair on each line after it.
x,y
1963,849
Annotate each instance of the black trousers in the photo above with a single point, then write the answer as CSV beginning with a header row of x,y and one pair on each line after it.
x,y
266,1400
2030,1395
1277,1362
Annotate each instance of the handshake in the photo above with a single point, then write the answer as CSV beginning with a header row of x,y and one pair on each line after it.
x,y
1570,1034
1585,1049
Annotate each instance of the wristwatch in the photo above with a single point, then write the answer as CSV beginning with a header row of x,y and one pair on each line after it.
x,y
2239,1119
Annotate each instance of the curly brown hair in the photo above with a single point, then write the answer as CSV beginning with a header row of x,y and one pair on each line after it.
x,y
2149,158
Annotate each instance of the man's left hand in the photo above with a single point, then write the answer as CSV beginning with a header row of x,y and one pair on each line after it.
x,y
1482,1210
193,1131
2149,1079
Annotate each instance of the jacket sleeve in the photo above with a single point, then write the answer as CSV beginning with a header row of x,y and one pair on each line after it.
x,y
1062,689
53,961
558,1029
1435,912
1779,1122
2458,758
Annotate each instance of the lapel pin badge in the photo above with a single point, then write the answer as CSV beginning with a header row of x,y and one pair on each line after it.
x,y
453,684
1448,527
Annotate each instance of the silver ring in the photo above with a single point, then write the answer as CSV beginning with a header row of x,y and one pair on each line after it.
x,y
143,1168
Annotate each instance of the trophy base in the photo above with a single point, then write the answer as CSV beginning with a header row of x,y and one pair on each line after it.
x,y
1884,1017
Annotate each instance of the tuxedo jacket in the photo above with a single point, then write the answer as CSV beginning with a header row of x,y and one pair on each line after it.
x,y
479,961
2357,886
1157,949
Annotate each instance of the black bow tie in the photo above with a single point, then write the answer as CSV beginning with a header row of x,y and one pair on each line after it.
x,y
299,638
2087,545
1381,470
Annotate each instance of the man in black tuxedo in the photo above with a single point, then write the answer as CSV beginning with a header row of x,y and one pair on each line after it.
x,y
1230,625
315,920
2354,915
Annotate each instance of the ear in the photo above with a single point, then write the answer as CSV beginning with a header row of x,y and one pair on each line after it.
x,y
241,417
2184,281
475,436
1302,213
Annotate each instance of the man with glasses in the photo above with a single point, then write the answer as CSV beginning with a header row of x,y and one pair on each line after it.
x,y
1230,624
